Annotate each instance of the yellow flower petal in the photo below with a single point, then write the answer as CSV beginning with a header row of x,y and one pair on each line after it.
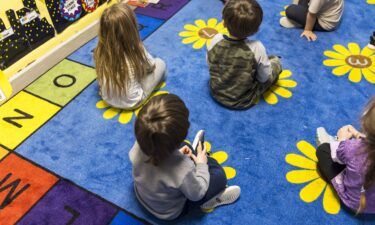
x,y
301,176
331,202
220,27
136,112
270,98
101,104
313,190
307,149
200,24
287,83
191,27
188,33
341,49
355,75
220,156
187,141
367,51
300,161
190,40
159,93
334,55
207,210
199,44
282,13
369,75
110,113
334,62
341,70
283,92
212,22
371,1
354,48
208,146
229,172
161,85
285,7
125,117
285,74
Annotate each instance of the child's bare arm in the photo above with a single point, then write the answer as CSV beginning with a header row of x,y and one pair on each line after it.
x,y
310,22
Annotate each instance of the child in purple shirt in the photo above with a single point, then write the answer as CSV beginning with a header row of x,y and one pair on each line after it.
x,y
349,162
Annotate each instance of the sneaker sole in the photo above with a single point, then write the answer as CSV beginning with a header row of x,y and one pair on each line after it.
x,y
231,199
196,139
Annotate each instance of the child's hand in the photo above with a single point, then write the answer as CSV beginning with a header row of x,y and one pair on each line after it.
x,y
201,155
345,133
356,134
186,151
309,35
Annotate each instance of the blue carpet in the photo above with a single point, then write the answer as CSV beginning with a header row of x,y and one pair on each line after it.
x,y
93,152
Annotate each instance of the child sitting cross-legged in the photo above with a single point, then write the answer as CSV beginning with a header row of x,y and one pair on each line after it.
x,y
240,70
313,15
167,174
127,73
348,162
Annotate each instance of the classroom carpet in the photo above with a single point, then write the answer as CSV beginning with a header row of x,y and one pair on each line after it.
x,y
64,152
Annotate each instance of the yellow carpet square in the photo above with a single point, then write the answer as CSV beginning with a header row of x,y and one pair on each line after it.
x,y
21,116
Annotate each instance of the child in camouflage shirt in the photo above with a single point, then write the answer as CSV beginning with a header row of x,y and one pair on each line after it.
x,y
240,70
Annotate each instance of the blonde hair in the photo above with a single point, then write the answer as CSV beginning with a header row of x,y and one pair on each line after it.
x,y
120,51
368,126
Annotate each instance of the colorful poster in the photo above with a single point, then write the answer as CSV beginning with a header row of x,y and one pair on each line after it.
x,y
90,5
70,10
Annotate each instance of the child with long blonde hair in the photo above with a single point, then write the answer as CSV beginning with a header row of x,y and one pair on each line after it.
x,y
349,162
126,72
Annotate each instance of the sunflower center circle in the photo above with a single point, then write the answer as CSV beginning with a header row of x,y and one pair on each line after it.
x,y
207,33
358,61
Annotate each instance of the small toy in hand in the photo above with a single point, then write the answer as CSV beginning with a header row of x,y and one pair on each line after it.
x,y
371,45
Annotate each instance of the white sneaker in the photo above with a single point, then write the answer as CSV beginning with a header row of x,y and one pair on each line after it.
x,y
228,196
323,137
287,23
198,137
371,46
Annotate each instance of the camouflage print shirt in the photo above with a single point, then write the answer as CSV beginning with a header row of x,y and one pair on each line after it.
x,y
237,67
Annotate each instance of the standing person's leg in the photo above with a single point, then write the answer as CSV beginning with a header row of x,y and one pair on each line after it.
x,y
154,79
327,167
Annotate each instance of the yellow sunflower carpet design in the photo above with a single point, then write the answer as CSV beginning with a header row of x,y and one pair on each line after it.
x,y
353,60
201,33
125,116
280,88
283,13
308,174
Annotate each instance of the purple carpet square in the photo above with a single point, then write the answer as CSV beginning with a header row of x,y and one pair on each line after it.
x,y
165,9
65,204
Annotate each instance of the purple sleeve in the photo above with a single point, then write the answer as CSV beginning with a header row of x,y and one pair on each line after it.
x,y
346,150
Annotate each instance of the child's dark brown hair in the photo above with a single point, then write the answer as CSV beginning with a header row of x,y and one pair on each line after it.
x,y
161,127
242,17
368,126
